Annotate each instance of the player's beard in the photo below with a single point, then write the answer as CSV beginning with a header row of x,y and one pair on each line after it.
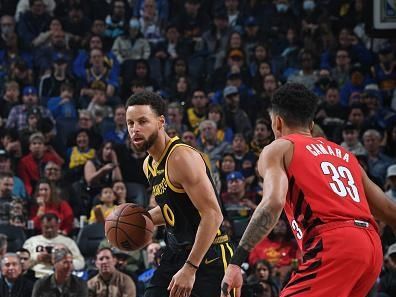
x,y
147,144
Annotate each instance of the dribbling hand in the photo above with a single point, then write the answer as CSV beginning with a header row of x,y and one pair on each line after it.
x,y
232,280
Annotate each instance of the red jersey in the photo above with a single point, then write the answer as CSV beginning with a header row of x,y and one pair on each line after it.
x,y
325,185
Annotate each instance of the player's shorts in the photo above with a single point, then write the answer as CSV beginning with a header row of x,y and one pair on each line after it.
x,y
342,261
207,279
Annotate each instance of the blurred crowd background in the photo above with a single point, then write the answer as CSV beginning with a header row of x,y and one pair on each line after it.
x,y
66,70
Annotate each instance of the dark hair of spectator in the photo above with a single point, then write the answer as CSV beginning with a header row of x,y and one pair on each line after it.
x,y
23,250
6,175
266,264
155,101
54,198
295,104
49,216
104,249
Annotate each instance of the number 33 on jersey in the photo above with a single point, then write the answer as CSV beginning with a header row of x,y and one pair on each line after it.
x,y
337,193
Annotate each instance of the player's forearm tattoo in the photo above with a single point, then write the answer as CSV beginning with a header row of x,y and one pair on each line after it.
x,y
261,223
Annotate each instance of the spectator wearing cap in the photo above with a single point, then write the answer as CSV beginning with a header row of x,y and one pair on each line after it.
x,y
62,282
391,179
131,45
117,20
233,59
351,142
252,36
31,165
9,99
238,202
377,161
331,114
6,166
387,286
235,117
109,279
33,22
12,282
50,83
18,115
41,247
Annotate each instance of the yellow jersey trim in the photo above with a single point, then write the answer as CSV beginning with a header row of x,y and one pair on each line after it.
x,y
223,256
172,186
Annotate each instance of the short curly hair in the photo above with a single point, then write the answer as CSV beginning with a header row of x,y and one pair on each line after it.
x,y
295,104
152,99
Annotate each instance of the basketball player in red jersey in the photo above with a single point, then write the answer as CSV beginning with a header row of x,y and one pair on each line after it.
x,y
327,198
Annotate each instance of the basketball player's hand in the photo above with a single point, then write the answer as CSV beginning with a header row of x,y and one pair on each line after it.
x,y
182,282
232,280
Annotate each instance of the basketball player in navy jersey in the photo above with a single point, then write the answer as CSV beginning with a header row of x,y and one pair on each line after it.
x,y
197,251
329,202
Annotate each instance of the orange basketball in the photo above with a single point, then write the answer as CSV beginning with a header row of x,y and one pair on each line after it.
x,y
129,227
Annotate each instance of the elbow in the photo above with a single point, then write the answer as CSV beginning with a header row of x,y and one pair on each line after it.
x,y
214,216
217,218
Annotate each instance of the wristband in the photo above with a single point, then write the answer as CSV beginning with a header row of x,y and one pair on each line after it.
x,y
239,256
192,265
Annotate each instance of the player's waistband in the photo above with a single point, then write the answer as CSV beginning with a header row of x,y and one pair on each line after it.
x,y
339,224
218,240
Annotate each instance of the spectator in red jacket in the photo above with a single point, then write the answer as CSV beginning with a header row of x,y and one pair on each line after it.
x,y
31,165
48,201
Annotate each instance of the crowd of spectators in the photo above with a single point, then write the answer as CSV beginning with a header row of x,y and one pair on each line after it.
x,y
66,70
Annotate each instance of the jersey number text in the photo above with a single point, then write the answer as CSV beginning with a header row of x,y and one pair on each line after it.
x,y
338,186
